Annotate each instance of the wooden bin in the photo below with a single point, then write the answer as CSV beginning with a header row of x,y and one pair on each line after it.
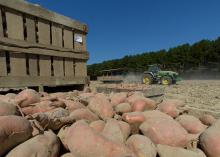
x,y
40,48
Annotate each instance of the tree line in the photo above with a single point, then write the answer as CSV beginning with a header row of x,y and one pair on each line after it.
x,y
179,58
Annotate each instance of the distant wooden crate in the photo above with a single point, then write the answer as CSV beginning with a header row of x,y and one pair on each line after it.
x,y
40,48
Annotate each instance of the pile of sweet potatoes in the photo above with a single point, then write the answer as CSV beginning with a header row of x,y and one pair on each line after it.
x,y
90,124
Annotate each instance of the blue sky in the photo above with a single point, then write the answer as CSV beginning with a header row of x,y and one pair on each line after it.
x,y
125,27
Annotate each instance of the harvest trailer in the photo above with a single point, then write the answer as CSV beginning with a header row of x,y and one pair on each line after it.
x,y
40,48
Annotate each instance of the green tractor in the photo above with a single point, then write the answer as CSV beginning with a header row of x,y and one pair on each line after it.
x,y
156,75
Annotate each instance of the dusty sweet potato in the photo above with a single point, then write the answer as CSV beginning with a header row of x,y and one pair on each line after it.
x,y
62,136
207,119
141,146
123,108
72,105
132,97
13,131
42,106
141,104
83,141
125,128
133,117
118,98
68,155
42,145
52,119
58,95
155,114
27,97
8,108
164,131
11,95
102,96
97,125
169,108
113,132
192,124
101,106
168,151
80,114
210,140
4,98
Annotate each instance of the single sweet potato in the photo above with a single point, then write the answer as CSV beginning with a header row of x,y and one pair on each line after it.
x,y
207,119
8,108
97,125
118,98
168,151
72,105
164,131
113,132
83,141
132,97
210,140
27,97
42,145
123,108
155,114
42,106
101,106
141,146
52,119
68,155
80,114
169,108
141,104
13,131
133,117
192,124
11,95
125,128
4,98
62,136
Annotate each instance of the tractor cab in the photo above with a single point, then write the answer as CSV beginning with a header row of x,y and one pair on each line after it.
x,y
154,68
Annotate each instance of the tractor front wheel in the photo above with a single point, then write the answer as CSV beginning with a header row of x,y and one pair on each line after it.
x,y
147,79
166,80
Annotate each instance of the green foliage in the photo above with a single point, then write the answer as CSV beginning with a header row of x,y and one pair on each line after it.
x,y
179,58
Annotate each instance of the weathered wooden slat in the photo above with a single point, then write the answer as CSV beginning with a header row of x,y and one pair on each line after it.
x,y
16,81
68,38
3,65
15,27
33,65
1,25
44,32
45,65
57,36
58,66
28,8
19,46
18,64
81,69
31,30
69,71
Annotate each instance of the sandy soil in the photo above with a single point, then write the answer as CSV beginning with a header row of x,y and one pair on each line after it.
x,y
202,96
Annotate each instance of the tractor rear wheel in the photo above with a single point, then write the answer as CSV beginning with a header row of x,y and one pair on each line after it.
x,y
147,79
166,80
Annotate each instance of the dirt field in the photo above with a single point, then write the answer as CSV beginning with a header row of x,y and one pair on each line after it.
x,y
200,96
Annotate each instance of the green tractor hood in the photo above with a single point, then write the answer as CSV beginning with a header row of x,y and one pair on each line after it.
x,y
172,74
